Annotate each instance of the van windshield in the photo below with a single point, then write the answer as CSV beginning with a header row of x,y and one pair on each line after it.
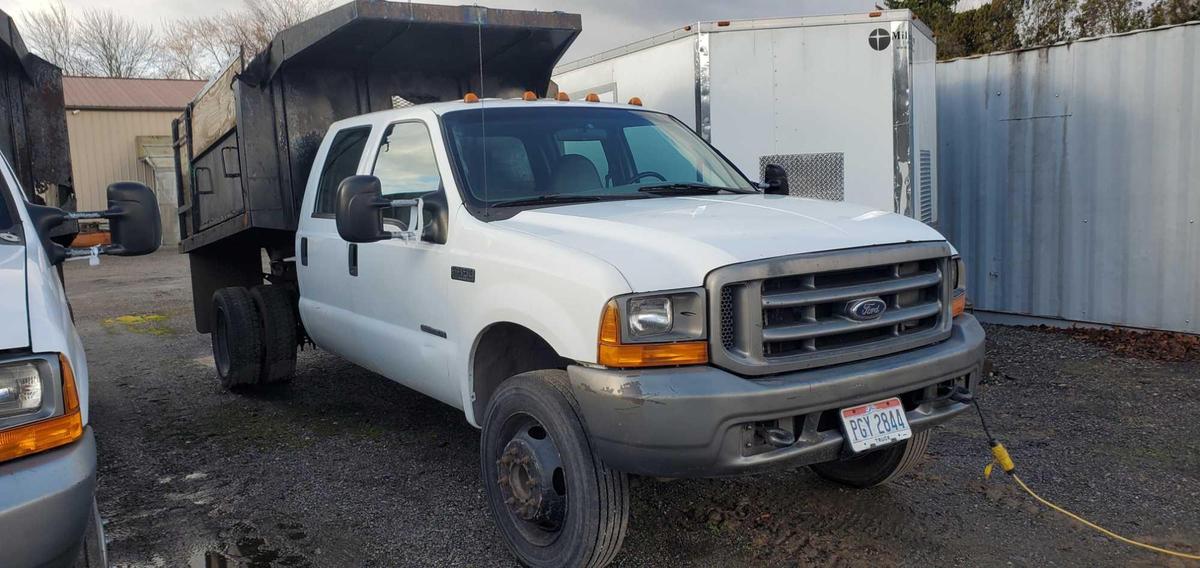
x,y
545,155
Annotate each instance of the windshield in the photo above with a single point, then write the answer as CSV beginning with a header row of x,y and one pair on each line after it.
x,y
549,155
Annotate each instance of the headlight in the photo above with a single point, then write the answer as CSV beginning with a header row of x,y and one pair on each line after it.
x,y
958,276
39,406
649,316
656,329
20,389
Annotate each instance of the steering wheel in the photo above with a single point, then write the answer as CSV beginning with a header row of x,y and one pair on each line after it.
x,y
641,175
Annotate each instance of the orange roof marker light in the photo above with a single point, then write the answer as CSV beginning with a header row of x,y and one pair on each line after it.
x,y
874,14
635,101
529,96
592,98
722,23
470,98
561,96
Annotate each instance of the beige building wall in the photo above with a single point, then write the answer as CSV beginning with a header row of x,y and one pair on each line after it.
x,y
104,150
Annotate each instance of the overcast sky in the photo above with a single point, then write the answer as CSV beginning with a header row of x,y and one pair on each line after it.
x,y
606,23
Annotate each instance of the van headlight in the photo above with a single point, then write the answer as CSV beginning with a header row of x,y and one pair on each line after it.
x,y
22,386
655,329
39,405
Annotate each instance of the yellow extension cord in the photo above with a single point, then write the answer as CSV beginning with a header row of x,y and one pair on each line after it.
x,y
1001,457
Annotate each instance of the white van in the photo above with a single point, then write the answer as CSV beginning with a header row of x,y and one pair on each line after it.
x,y
48,514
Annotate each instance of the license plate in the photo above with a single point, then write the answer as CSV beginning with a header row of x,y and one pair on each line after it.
x,y
875,424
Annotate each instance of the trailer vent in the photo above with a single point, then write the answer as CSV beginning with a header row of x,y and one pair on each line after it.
x,y
926,186
817,176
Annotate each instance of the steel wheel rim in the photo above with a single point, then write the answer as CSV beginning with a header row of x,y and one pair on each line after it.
x,y
531,479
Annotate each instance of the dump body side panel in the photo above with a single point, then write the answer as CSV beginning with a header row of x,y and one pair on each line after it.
x,y
357,58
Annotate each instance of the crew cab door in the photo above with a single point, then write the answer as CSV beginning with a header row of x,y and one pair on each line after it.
x,y
323,259
400,289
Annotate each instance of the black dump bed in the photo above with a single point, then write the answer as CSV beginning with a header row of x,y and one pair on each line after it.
x,y
245,146
33,123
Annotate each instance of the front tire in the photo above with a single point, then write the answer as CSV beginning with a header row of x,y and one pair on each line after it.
x,y
878,467
554,501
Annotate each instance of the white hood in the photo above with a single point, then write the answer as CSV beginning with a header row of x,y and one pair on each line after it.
x,y
14,307
674,242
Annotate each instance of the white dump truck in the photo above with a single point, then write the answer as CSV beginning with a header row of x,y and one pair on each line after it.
x,y
845,103
593,285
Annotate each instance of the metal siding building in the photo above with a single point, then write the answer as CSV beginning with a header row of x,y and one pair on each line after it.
x,y
119,129
1070,178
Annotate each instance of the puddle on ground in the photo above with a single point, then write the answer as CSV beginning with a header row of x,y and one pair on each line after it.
x,y
247,552
148,324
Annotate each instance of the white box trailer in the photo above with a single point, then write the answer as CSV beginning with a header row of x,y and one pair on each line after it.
x,y
846,103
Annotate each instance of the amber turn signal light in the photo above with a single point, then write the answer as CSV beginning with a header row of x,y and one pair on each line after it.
x,y
612,353
958,304
51,432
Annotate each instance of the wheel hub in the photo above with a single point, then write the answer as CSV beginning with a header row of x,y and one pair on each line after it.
x,y
527,467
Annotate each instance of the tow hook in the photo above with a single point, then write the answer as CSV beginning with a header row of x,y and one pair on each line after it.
x,y
778,437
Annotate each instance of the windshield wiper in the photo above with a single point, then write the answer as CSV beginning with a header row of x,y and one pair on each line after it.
x,y
684,188
553,198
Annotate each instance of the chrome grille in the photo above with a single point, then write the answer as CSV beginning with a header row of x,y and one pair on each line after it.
x,y
792,313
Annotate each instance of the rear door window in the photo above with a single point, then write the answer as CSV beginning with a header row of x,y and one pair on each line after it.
x,y
340,163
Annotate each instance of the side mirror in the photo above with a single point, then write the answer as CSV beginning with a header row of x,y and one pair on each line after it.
x,y
359,212
775,180
132,216
133,219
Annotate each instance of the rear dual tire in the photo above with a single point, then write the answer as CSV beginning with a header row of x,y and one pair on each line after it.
x,y
254,336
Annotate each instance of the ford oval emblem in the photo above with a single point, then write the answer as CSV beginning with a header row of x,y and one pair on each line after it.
x,y
866,309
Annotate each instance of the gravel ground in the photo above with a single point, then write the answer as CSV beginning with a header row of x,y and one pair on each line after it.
x,y
343,468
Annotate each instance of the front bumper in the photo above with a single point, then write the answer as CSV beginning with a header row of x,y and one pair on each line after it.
x,y
704,421
45,503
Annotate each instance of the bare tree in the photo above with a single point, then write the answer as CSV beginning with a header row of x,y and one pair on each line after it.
x,y
51,34
258,21
115,46
193,48
197,48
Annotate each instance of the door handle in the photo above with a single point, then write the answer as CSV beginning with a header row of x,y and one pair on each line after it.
x,y
352,258
303,251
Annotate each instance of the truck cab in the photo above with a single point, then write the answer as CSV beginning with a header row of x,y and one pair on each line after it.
x,y
603,294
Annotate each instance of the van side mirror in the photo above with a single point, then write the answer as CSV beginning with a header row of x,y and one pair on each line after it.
x,y
775,180
359,212
133,220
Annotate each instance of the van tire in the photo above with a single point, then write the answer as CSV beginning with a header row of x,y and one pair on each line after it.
x,y
277,311
878,467
236,338
589,510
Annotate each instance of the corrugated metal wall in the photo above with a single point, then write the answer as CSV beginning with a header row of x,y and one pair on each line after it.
x,y
104,149
1070,178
